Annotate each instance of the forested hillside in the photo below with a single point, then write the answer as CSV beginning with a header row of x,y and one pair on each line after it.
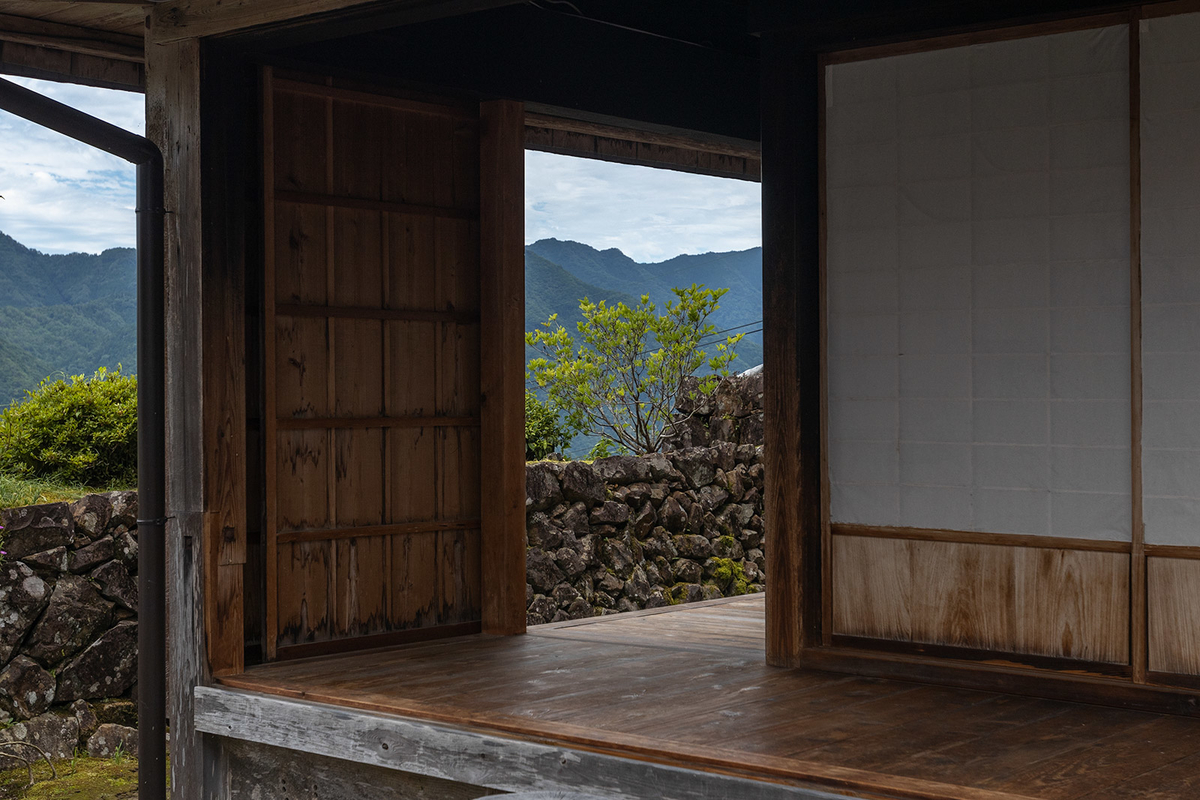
x,y
622,277
67,314
74,313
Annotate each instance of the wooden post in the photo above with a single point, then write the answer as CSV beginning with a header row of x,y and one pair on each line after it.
x,y
792,347
206,418
1138,622
173,122
226,126
502,351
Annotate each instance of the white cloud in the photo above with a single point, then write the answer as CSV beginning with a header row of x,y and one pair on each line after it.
x,y
650,214
60,195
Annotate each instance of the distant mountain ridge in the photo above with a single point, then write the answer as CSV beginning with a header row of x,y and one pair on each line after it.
x,y
68,314
74,313
612,275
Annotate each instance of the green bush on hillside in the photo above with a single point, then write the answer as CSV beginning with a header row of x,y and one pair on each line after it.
x,y
81,431
545,433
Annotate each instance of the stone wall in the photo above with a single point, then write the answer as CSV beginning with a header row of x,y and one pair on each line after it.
x,y
68,618
626,533
732,412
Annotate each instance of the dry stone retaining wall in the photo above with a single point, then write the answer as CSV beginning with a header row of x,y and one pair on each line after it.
x,y
626,533
617,534
732,412
68,618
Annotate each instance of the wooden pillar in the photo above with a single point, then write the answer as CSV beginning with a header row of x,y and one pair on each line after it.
x,y
502,325
172,121
206,421
792,347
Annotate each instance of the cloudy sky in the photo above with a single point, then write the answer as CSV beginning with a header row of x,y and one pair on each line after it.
x,y
649,214
61,196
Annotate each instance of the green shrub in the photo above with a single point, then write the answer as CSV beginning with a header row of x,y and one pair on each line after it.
x,y
81,431
544,431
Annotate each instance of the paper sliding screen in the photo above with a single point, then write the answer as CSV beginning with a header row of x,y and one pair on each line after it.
x,y
978,288
1171,278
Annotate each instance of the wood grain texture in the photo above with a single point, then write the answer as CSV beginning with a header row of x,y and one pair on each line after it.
x,y
1173,615
499,346
791,312
123,18
979,537
627,146
295,268
173,123
47,63
71,38
375,361
222,301
250,767
687,687
467,756
1039,601
1137,566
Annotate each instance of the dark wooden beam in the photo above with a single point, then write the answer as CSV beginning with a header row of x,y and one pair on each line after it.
x,y
583,139
502,359
49,64
298,20
558,60
72,38
835,26
792,348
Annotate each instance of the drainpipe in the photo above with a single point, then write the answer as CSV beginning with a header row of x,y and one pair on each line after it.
x,y
151,332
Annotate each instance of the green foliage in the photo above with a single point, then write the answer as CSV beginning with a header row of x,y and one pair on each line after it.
x,y
17,492
603,448
730,577
545,433
65,314
622,278
622,380
80,778
82,432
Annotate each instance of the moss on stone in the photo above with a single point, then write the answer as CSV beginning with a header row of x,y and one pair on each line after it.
x,y
729,576
118,712
79,779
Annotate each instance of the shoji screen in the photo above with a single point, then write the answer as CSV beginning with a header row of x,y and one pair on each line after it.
x,y
978,345
978,273
1170,147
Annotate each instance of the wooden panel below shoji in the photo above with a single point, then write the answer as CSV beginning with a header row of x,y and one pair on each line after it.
x,y
1173,611
1039,601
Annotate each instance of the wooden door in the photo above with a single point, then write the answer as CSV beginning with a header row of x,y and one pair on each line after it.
x,y
372,353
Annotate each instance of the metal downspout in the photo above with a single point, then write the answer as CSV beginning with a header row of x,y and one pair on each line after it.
x,y
151,401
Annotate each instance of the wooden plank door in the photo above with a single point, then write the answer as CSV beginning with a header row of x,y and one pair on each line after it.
x,y
372,353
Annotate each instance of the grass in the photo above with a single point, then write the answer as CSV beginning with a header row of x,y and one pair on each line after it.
x,y
16,492
78,779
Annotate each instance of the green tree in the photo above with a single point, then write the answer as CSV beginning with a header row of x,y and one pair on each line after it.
x,y
622,380
82,432
545,433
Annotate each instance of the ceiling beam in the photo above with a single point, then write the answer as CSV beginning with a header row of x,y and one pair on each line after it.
x,y
71,38
31,61
174,20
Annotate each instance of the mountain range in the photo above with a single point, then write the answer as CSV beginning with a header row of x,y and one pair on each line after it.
x,y
64,314
71,314
558,273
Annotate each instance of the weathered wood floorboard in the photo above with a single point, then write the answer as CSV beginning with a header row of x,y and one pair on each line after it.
x,y
689,687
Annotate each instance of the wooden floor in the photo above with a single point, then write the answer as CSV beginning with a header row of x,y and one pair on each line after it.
x,y
688,686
